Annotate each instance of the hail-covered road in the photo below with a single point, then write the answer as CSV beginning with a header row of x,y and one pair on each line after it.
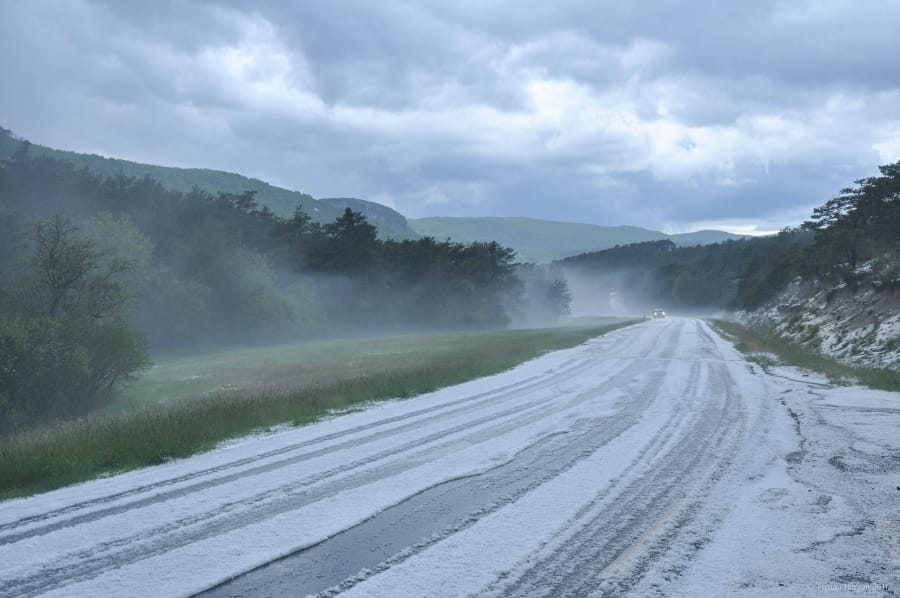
x,y
652,461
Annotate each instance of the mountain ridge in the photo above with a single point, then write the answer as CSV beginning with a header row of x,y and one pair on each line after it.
x,y
534,239
541,240
281,201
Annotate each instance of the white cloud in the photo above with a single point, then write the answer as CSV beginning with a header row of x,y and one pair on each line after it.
x,y
888,143
767,224
631,114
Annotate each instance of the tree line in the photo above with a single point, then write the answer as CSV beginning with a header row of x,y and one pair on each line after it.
x,y
98,272
860,226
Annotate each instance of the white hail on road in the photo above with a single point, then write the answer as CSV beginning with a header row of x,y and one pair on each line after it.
x,y
652,461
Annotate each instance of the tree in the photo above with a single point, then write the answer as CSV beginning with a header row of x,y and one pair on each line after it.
x,y
861,223
70,275
65,341
161,295
557,298
353,243
838,228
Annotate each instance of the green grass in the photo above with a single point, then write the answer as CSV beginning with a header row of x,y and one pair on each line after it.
x,y
190,405
758,343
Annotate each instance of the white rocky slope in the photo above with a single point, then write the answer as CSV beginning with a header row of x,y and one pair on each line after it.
x,y
856,322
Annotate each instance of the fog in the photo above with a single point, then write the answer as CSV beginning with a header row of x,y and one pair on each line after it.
x,y
607,294
101,276
625,292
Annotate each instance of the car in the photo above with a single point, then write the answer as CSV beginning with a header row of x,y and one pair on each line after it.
x,y
659,314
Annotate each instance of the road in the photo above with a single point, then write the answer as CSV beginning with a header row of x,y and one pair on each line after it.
x,y
654,460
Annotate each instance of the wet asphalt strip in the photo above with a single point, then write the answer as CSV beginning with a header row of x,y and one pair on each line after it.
x,y
423,519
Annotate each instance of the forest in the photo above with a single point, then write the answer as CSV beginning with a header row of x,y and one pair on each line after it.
x,y
858,227
98,273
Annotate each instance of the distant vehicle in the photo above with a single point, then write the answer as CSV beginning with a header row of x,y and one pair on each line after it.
x,y
659,314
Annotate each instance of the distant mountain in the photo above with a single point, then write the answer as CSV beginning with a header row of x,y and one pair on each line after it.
x,y
703,237
538,240
391,223
281,201
534,240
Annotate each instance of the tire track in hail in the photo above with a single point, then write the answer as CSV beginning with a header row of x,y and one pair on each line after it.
x,y
576,567
650,452
532,467
668,433
148,544
682,511
669,556
618,425
679,504
508,392
305,481
273,453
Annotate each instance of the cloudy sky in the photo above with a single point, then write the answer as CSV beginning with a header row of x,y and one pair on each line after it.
x,y
670,115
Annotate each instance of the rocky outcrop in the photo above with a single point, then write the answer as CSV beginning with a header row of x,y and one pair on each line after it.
x,y
856,320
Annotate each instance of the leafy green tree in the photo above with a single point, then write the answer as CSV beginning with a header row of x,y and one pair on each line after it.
x,y
213,268
65,341
172,309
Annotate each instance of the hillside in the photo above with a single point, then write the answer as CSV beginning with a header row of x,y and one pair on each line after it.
x,y
703,237
856,322
97,272
534,240
845,298
282,202
538,240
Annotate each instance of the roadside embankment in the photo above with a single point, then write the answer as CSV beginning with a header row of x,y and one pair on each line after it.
x,y
856,322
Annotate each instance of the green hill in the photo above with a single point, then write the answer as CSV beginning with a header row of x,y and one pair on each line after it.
x,y
546,240
534,240
703,237
281,201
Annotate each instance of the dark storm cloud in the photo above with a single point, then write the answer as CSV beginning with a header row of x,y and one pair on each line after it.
x,y
671,115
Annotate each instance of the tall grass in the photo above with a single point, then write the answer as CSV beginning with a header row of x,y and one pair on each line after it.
x,y
760,341
148,433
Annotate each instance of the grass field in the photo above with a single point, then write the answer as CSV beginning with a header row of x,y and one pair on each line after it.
x,y
760,344
188,405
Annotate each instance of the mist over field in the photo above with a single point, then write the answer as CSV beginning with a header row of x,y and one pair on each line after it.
x,y
102,275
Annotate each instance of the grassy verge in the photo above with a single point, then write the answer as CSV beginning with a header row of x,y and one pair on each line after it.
x,y
182,408
758,344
